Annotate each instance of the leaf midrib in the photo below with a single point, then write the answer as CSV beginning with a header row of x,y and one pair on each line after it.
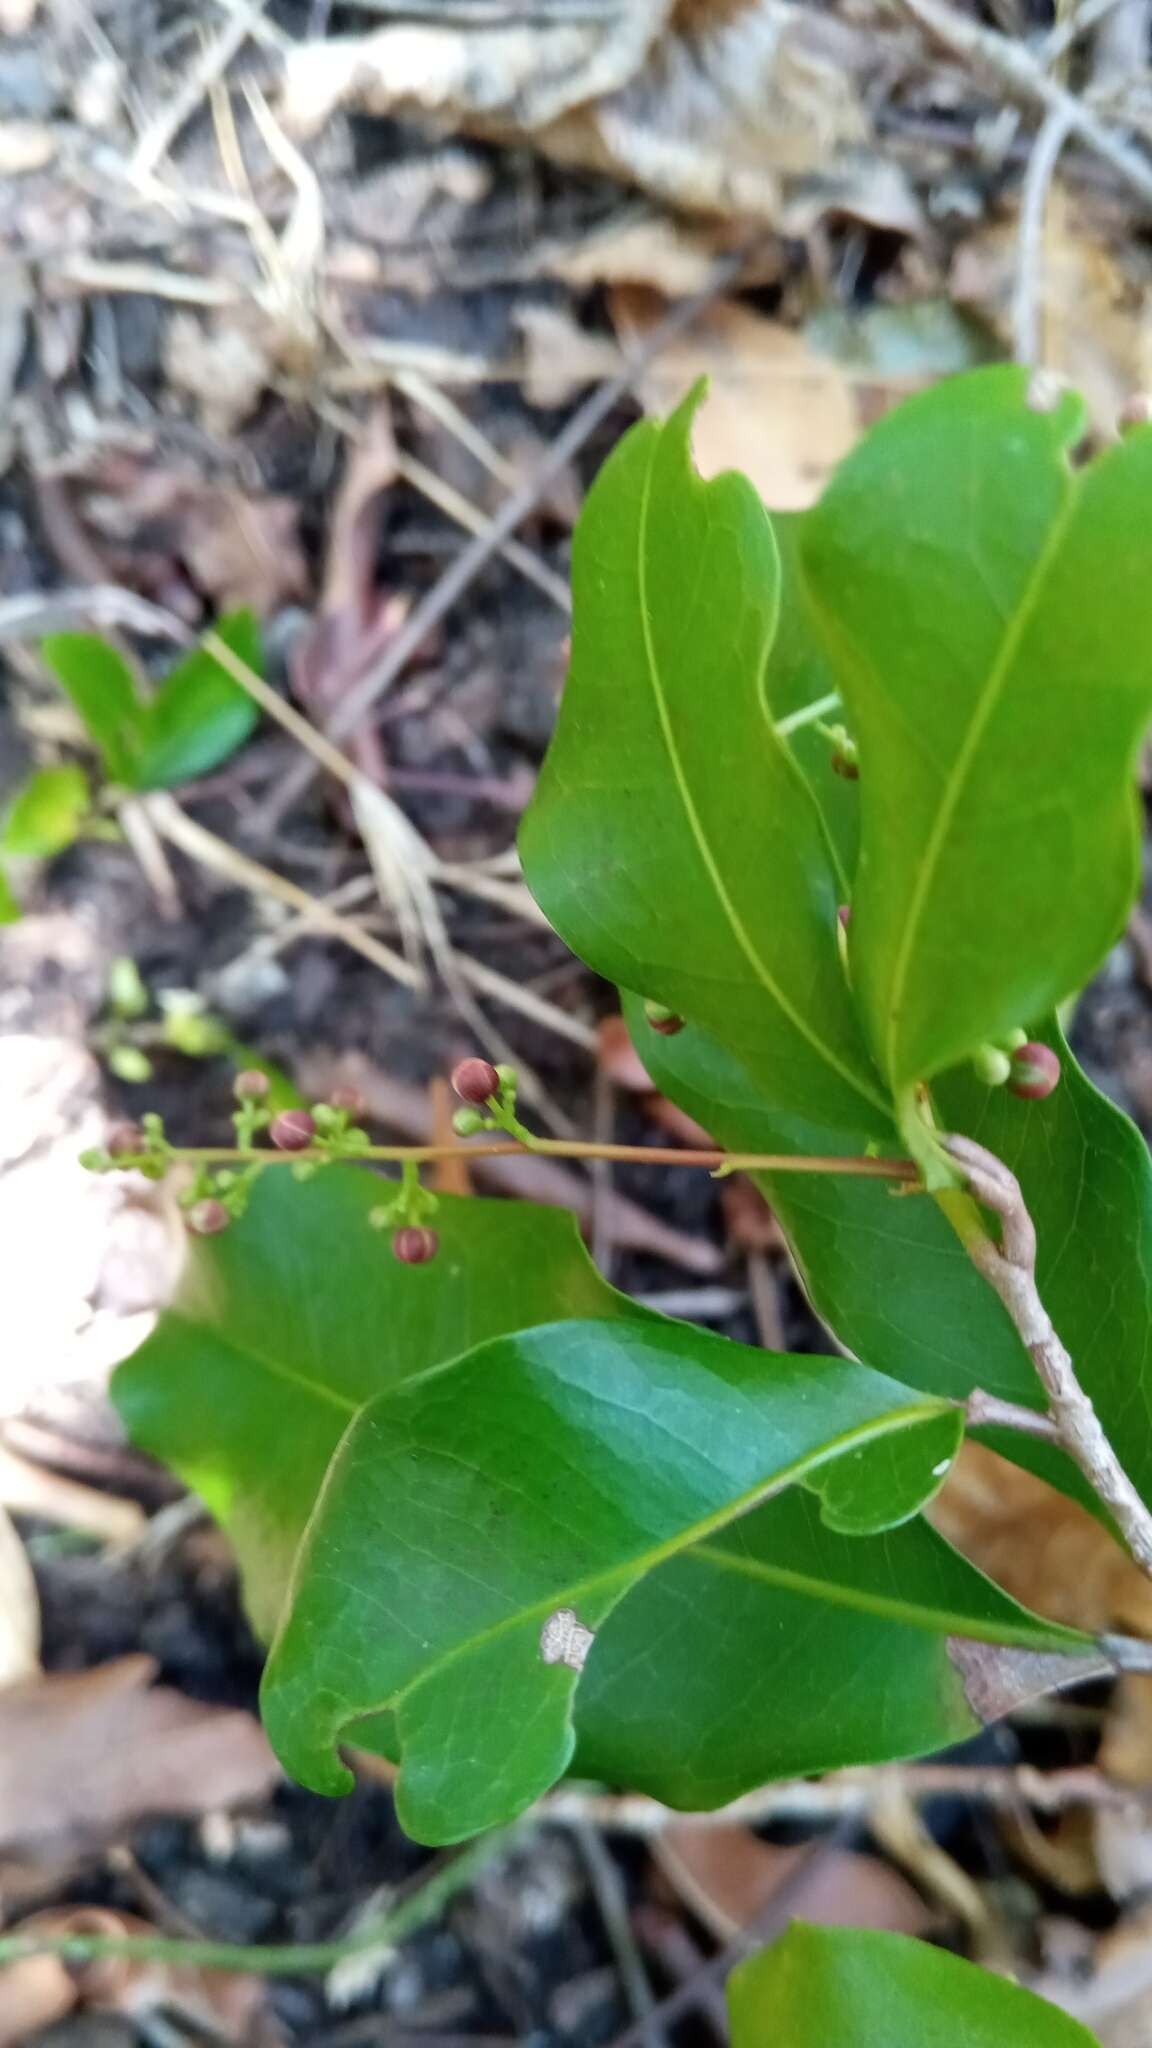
x,y
636,1568
986,704
703,847
932,1620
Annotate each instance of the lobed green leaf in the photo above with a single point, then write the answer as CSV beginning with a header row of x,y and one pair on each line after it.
x,y
539,1477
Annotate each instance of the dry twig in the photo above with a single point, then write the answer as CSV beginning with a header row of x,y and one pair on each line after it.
x,y
1010,1268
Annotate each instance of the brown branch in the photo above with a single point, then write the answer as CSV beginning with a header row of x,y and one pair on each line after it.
x,y
560,1148
1010,1268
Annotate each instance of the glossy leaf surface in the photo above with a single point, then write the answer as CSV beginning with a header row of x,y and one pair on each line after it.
x,y
777,1647
988,612
542,1475
300,1311
887,1273
672,840
859,1988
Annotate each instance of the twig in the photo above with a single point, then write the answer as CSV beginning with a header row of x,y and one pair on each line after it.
x,y
608,1890
982,1410
158,138
456,506
1027,339
1015,66
34,613
461,574
291,1959
1010,1268
785,1903
211,852
853,1792
568,1148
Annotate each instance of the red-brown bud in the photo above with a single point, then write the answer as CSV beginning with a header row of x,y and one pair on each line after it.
x,y
1035,1071
293,1130
844,913
414,1247
123,1139
251,1085
348,1099
662,1019
208,1217
475,1081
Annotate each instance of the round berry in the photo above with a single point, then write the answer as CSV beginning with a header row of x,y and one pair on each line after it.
x,y
251,1085
1035,1071
414,1247
124,1139
208,1217
475,1081
293,1130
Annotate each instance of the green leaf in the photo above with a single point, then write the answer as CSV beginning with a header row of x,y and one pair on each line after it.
x,y
200,714
672,840
301,1311
858,1988
778,1647
46,815
10,911
801,682
103,689
884,1270
988,611
538,1477
301,1307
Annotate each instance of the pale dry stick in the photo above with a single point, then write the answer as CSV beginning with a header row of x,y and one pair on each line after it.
x,y
210,852
460,575
1027,295
1018,68
1060,39
213,61
1007,1787
1010,1268
431,399
474,521
34,613
983,1410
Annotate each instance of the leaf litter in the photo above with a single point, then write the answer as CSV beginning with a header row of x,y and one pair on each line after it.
x,y
871,164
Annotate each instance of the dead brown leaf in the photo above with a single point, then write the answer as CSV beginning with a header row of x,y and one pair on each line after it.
x,y
726,112
728,1876
1097,317
774,409
85,1753
1055,1557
